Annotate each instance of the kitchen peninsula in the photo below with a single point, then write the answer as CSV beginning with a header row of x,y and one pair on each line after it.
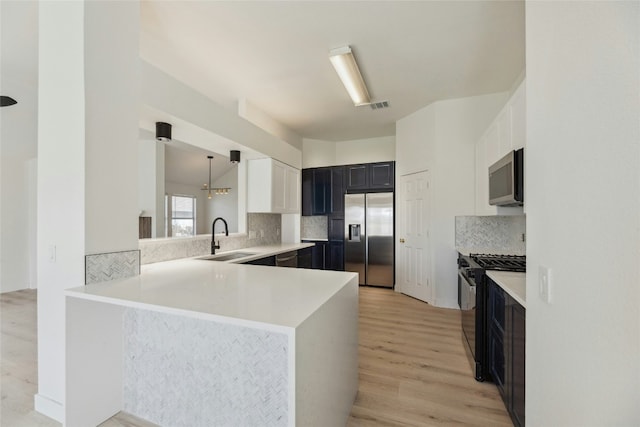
x,y
199,343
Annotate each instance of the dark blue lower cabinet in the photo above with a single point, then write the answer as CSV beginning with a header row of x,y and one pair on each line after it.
x,y
305,257
327,255
270,261
507,320
336,256
518,335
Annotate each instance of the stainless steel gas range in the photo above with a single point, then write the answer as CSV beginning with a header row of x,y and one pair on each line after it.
x,y
472,299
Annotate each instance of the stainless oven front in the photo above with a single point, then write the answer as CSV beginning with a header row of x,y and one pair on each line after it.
x,y
472,301
467,292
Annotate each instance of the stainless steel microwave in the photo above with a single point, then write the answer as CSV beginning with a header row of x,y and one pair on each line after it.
x,y
506,180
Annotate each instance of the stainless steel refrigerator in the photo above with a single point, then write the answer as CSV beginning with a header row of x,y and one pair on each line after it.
x,y
368,248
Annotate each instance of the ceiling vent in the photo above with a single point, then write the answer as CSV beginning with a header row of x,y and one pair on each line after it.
x,y
379,105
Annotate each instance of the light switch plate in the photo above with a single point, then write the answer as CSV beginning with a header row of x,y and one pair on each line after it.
x,y
544,284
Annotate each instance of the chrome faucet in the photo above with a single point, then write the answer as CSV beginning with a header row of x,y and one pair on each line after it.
x,y
215,246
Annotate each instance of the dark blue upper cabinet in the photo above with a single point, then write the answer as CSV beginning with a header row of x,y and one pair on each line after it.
x,y
307,192
357,177
337,191
381,175
369,176
321,191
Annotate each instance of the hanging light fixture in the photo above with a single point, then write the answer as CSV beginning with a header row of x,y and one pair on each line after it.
x,y
209,186
163,131
211,190
345,64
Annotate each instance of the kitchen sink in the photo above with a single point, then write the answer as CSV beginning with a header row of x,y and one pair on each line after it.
x,y
226,257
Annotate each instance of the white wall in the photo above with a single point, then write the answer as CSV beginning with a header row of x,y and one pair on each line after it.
x,y
226,205
441,138
112,107
583,213
87,161
18,147
317,153
167,95
61,134
261,119
367,150
149,170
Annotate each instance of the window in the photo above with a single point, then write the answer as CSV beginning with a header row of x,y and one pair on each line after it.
x,y
181,210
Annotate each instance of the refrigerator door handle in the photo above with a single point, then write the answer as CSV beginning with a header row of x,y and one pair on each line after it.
x,y
354,232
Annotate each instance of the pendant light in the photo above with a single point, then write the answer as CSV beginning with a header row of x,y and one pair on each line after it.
x,y
209,186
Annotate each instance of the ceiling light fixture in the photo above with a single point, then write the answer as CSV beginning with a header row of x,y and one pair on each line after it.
x,y
163,131
348,71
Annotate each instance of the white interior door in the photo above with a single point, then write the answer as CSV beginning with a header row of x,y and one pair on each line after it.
x,y
414,257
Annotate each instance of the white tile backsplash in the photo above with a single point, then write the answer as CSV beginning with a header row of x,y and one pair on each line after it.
x,y
314,227
491,234
262,229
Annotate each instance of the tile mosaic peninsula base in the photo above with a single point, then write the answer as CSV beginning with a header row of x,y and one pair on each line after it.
x,y
217,374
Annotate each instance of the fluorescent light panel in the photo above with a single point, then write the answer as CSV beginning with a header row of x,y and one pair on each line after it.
x,y
348,71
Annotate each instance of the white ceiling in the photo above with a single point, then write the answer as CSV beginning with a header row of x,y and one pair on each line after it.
x,y
275,55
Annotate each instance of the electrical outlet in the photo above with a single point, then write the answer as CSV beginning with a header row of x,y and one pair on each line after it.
x,y
52,253
544,284
261,233
252,234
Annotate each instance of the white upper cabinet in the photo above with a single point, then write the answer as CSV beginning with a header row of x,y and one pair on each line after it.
x,y
507,132
518,111
273,187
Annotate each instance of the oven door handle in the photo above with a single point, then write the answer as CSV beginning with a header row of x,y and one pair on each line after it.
x,y
468,297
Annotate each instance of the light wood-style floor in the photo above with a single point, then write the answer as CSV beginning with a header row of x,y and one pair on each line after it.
x,y
413,367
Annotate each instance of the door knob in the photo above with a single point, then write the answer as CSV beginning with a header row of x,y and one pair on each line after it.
x,y
401,240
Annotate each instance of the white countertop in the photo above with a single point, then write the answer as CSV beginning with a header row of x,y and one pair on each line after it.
x,y
513,283
260,296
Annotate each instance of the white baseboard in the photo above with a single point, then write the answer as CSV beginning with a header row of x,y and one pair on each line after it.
x,y
444,303
48,407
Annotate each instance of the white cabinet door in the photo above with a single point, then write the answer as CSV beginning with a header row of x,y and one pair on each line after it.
x,y
279,187
518,109
292,178
492,144
273,187
482,180
507,132
504,131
